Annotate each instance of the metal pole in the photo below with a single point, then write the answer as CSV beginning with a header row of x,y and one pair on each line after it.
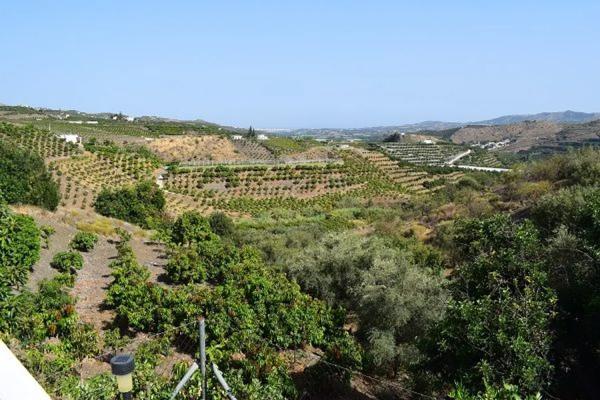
x,y
203,356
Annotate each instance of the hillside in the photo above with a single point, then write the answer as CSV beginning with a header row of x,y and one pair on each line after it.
x,y
531,136
569,117
441,128
323,271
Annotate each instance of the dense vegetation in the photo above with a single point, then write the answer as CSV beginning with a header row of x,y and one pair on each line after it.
x,y
19,250
241,291
139,204
470,285
24,178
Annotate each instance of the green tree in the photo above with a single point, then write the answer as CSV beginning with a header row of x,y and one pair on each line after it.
x,y
497,327
24,178
396,300
221,224
191,227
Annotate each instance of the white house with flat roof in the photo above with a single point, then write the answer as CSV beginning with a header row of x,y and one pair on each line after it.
x,y
70,138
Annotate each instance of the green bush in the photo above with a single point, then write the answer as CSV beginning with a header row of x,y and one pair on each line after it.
x,y
497,327
84,241
221,224
140,204
67,261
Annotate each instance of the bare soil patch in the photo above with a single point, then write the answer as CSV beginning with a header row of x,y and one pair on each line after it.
x,y
195,148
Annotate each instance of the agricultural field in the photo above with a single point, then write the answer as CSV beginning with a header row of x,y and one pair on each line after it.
x,y
38,141
213,172
423,154
252,150
176,227
81,178
481,158
195,148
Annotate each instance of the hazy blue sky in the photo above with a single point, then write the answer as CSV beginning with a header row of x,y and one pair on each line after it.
x,y
303,63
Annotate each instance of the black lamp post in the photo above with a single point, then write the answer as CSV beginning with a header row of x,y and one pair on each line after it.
x,y
122,367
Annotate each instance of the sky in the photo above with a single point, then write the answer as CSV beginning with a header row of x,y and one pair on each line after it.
x,y
292,64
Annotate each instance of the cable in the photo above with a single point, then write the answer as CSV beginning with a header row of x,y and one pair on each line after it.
x,y
379,380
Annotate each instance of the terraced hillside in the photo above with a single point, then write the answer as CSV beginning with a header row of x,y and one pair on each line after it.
x,y
411,179
217,173
196,148
422,153
481,158
39,141
252,150
81,178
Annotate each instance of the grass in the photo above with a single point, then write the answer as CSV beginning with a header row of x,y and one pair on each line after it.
x,y
99,225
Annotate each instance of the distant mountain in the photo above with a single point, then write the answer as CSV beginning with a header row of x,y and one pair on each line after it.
x,y
572,117
441,128
371,133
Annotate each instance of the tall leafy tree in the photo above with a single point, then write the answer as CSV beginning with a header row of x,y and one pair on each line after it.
x,y
25,179
497,328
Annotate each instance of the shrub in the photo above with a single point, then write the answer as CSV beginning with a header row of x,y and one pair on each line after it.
x,y
190,228
221,224
47,231
67,261
84,241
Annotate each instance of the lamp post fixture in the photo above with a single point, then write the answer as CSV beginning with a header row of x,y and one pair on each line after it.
x,y
122,367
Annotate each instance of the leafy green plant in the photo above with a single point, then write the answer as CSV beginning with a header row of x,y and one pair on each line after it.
x,y
497,326
19,249
138,204
67,261
46,231
84,241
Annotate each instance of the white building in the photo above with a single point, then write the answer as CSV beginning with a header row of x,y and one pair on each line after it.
x,y
237,137
70,138
261,137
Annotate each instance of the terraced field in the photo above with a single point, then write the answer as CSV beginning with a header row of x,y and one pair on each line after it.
x,y
47,145
252,150
81,178
195,148
412,180
481,159
246,176
422,153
